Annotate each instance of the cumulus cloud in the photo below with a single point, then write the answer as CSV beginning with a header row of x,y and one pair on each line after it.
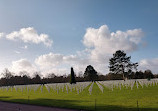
x,y
53,59
59,63
23,65
151,64
50,59
30,35
102,42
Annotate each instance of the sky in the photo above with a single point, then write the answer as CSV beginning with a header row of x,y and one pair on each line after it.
x,y
55,35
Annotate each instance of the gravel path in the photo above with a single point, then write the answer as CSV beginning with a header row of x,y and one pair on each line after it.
x,y
6,106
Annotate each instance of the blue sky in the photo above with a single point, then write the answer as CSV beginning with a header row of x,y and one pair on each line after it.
x,y
66,23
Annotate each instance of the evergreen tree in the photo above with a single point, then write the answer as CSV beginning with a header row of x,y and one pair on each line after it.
x,y
72,77
90,73
120,64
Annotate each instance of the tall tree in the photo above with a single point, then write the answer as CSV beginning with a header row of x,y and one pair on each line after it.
x,y
37,78
120,64
7,74
148,74
139,75
72,77
90,73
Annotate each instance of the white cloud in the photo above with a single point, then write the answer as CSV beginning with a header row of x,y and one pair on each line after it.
x,y
151,64
59,63
103,43
30,35
50,59
53,59
23,65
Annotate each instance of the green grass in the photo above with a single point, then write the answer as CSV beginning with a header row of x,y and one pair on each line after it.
x,y
120,100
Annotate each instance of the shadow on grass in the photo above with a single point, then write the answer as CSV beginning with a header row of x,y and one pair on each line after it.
x,y
1,97
75,104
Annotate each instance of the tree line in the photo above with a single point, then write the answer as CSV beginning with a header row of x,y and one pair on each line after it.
x,y
120,68
10,79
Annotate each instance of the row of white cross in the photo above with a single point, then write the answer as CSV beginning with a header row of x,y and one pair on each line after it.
x,y
128,83
80,86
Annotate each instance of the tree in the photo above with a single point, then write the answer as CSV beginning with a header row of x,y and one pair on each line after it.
x,y
7,74
120,64
23,73
37,78
148,74
72,77
51,75
90,73
139,75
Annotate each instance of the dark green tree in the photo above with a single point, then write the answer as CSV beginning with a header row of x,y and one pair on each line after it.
x,y
90,73
72,77
148,74
120,64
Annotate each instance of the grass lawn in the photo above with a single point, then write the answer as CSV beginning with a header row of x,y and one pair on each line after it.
x,y
116,100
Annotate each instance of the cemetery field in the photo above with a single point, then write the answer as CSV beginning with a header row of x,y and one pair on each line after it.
x,y
130,95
